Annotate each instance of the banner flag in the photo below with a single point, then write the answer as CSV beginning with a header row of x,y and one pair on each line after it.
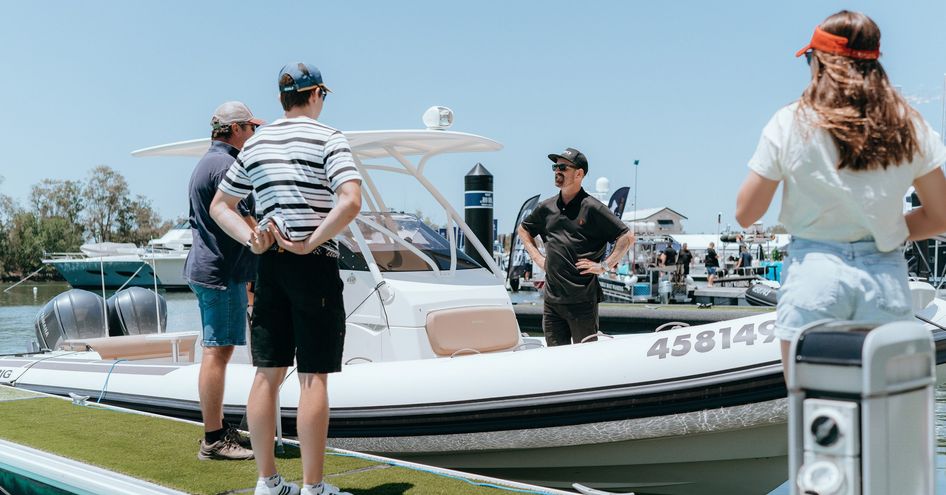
x,y
616,205
618,200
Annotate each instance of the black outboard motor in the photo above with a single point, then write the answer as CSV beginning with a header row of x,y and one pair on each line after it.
x,y
74,314
132,312
762,295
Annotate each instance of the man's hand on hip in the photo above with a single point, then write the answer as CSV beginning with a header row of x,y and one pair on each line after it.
x,y
588,267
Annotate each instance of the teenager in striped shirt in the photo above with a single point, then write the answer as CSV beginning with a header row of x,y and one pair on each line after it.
x,y
309,190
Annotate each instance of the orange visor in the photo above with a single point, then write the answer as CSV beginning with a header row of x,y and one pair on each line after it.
x,y
832,43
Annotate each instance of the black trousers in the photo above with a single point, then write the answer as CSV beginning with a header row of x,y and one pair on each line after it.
x,y
564,324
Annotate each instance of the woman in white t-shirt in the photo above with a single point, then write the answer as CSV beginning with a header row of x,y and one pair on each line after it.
x,y
846,153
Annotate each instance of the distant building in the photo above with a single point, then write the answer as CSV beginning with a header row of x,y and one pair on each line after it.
x,y
665,220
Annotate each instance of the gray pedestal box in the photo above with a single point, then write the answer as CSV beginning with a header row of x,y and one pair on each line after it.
x,y
861,409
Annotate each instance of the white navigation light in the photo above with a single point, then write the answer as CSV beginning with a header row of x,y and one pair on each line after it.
x,y
438,118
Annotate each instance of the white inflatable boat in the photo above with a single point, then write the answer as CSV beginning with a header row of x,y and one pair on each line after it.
x,y
437,372
677,411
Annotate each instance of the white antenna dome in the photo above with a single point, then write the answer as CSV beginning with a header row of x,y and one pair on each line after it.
x,y
602,185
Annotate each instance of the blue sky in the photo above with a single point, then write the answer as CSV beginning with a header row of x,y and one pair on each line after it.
x,y
685,87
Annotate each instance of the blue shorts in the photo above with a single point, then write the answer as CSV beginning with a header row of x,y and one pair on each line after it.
x,y
711,270
222,314
841,281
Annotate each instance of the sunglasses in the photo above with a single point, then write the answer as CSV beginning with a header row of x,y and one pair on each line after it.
x,y
252,125
808,55
560,167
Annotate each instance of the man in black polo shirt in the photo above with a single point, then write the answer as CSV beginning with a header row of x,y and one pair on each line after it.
x,y
669,256
576,228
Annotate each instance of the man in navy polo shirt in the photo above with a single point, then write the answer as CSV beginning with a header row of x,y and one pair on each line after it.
x,y
576,228
217,270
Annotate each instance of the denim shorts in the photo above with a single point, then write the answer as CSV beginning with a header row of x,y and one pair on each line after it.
x,y
222,314
841,281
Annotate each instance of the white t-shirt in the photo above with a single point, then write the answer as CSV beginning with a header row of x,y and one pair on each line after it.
x,y
820,202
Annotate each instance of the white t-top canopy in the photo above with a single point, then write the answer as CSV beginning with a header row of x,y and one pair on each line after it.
x,y
365,144
421,144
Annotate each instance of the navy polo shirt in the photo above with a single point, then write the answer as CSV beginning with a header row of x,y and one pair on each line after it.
x,y
215,258
579,229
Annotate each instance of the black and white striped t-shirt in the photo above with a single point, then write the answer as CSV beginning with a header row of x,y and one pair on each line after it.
x,y
295,166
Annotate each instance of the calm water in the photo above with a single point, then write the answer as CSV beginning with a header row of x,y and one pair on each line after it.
x,y
19,306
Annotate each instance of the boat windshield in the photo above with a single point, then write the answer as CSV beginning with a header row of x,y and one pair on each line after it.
x,y
392,255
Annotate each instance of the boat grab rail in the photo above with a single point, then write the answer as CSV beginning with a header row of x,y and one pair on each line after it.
x,y
465,350
356,358
670,325
595,336
528,345
64,256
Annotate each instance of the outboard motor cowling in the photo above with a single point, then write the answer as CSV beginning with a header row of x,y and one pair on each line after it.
x,y
762,295
133,312
74,314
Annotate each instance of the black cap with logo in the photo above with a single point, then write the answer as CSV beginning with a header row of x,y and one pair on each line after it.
x,y
574,156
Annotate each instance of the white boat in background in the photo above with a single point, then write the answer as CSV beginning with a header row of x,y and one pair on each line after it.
x,y
117,265
436,370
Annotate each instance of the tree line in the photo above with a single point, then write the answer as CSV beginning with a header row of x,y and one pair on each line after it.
x,y
61,215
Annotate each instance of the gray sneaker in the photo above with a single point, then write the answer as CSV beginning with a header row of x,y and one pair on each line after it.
x,y
224,449
242,439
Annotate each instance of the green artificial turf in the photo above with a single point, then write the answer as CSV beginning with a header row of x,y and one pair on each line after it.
x,y
397,481
165,452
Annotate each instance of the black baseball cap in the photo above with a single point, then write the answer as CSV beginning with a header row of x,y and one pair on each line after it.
x,y
574,156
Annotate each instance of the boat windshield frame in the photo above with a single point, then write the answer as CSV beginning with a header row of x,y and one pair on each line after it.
x,y
398,242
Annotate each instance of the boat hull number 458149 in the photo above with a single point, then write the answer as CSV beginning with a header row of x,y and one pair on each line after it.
x,y
708,340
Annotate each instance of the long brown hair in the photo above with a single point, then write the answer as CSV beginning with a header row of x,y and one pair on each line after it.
x,y
871,123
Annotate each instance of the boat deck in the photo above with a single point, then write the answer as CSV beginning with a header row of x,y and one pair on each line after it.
x,y
641,318
96,447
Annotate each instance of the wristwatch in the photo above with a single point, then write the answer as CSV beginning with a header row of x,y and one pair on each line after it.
x,y
249,243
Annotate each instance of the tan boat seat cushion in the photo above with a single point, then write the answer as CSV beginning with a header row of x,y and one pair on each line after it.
x,y
484,329
133,347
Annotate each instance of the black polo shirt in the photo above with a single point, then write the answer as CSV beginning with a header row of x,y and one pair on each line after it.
x,y
670,256
580,229
215,259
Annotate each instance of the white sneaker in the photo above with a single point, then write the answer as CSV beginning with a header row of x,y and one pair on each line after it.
x,y
282,488
327,489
